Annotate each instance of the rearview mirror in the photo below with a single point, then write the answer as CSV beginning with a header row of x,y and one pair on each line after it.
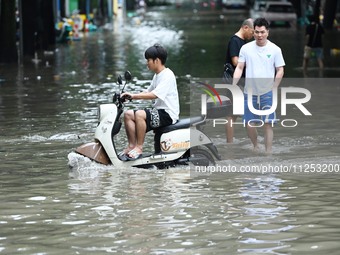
x,y
127,76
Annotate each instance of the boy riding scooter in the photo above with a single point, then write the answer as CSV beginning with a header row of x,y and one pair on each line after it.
x,y
165,110
176,141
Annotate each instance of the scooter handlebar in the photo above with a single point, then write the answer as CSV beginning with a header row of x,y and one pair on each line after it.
x,y
126,97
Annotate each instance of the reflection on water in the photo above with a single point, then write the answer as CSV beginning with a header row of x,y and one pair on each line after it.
x,y
46,208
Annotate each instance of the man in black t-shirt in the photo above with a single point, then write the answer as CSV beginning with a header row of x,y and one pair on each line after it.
x,y
244,34
313,45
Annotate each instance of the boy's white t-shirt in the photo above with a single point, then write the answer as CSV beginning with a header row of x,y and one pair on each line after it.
x,y
164,86
261,63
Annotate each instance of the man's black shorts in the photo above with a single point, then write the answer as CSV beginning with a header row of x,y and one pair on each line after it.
x,y
156,118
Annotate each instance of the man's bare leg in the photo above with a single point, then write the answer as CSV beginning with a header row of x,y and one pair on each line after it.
x,y
320,62
140,120
252,134
130,128
229,128
268,137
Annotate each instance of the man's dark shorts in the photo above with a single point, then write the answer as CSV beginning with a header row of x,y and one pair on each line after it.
x,y
156,118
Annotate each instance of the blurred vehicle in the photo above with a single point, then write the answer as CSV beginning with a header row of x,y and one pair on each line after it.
x,y
234,3
278,13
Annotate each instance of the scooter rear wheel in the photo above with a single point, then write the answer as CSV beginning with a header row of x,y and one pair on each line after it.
x,y
201,157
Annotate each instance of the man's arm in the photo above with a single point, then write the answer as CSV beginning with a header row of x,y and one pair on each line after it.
x,y
142,95
234,60
238,72
306,39
278,76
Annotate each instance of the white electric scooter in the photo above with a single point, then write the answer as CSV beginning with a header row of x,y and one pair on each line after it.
x,y
176,144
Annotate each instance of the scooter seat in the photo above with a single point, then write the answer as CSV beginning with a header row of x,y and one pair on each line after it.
x,y
180,124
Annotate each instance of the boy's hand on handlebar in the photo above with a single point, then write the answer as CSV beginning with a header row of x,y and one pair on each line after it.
x,y
126,96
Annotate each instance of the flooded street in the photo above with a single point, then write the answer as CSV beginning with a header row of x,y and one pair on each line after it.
x,y
50,108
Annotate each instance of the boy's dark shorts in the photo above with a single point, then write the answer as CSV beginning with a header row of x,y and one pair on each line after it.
x,y
156,118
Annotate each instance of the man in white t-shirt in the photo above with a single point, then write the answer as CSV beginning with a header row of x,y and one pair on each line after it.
x,y
165,110
265,69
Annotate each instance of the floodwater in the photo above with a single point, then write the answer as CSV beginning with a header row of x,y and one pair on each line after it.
x,y
49,108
